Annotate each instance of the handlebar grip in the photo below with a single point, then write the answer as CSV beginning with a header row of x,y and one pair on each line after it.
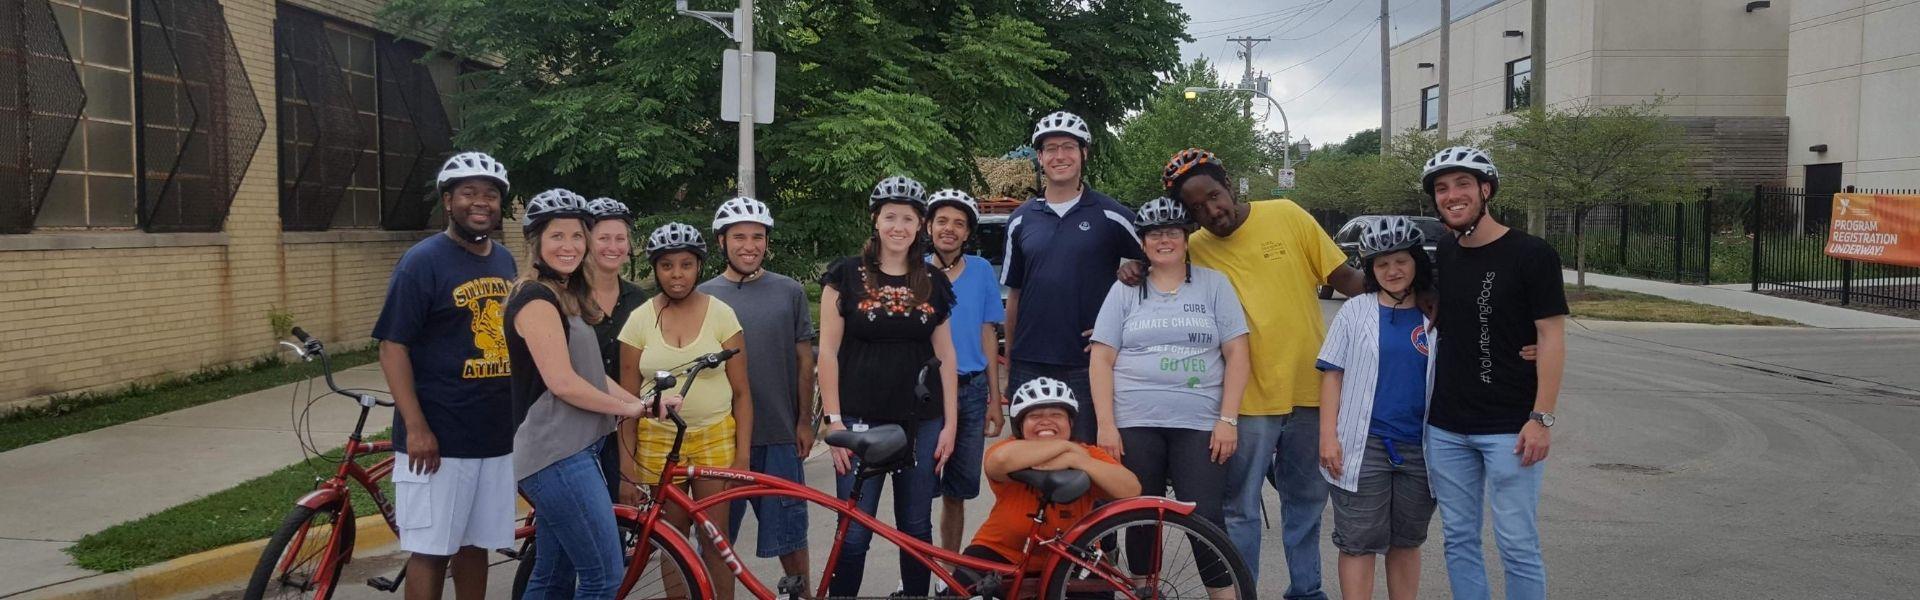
x,y
301,334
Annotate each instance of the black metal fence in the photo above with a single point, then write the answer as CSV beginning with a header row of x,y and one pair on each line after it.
x,y
1789,228
1673,241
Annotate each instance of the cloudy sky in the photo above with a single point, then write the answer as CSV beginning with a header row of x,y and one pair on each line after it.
x,y
1324,58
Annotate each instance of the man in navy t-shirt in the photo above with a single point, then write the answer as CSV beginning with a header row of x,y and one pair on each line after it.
x,y
1065,247
444,353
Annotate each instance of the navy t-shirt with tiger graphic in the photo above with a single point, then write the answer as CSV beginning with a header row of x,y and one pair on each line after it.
x,y
447,306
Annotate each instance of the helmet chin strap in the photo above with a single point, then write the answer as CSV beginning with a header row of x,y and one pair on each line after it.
x,y
470,236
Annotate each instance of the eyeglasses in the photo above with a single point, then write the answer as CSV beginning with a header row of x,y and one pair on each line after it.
x,y
1057,148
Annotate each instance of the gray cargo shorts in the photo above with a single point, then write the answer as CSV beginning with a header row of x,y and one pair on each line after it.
x,y
1391,507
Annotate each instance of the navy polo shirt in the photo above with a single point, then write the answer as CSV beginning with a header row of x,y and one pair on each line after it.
x,y
1063,266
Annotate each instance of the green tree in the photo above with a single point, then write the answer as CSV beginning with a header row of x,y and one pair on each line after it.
x,y
1369,183
1361,143
1171,123
620,97
1586,156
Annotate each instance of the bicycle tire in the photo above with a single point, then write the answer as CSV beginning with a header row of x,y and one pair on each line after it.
x,y
644,588
1196,529
270,581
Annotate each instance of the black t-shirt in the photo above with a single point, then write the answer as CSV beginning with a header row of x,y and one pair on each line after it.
x,y
1490,297
888,339
527,383
607,331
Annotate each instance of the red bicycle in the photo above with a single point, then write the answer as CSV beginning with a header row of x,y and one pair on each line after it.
x,y
314,544
1134,548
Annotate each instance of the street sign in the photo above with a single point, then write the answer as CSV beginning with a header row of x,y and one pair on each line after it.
x,y
1286,179
1243,186
762,86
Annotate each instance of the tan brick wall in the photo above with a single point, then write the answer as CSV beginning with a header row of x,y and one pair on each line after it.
x,y
94,319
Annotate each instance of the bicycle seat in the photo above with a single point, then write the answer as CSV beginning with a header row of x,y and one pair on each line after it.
x,y
881,445
1060,487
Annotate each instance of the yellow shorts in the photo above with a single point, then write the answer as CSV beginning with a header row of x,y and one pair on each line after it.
x,y
710,446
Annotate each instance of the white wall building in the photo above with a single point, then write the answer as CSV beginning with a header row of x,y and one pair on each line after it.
x,y
1853,85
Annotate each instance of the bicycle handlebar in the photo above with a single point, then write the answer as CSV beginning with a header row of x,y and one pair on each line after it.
x,y
311,347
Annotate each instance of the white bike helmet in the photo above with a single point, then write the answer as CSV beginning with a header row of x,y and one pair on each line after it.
x,y
675,236
741,210
472,164
608,208
1389,234
1042,391
898,189
1160,212
956,198
556,202
1063,122
1460,158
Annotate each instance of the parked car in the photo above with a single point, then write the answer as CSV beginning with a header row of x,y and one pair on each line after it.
x,y
1348,238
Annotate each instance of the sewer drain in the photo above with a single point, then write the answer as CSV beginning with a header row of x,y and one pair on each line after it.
x,y
1627,468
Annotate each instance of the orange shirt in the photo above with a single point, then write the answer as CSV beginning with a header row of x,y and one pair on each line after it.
x,y
1006,528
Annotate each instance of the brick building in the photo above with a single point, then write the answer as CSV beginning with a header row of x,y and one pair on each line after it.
x,y
173,171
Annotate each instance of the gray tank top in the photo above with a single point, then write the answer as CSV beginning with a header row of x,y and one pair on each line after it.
x,y
554,429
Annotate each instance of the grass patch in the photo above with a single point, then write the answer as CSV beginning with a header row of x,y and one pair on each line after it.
x,y
79,413
1617,305
246,512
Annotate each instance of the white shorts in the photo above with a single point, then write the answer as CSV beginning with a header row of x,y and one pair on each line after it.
x,y
468,502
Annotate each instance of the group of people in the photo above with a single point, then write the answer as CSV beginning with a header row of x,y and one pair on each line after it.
x,y
1178,345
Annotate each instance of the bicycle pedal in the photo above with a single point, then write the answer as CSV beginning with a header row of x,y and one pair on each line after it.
x,y
509,553
383,584
299,583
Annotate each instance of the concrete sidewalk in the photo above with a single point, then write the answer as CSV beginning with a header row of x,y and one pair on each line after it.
x,y
1806,313
62,490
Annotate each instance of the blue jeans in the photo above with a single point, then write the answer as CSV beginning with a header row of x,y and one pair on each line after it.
x,y
1295,439
912,512
1086,424
961,478
783,521
1465,469
577,552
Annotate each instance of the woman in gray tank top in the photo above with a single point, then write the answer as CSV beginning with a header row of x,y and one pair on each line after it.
x,y
563,406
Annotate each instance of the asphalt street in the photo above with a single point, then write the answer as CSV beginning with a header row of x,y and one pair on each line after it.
x,y
1688,462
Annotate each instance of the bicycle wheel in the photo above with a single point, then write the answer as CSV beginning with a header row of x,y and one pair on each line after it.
x,y
665,577
297,562
1157,555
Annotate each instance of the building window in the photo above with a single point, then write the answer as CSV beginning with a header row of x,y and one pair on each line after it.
x,y
1520,83
94,185
1430,107
199,119
358,147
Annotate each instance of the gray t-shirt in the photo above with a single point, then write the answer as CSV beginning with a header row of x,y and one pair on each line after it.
x,y
773,316
1169,371
550,429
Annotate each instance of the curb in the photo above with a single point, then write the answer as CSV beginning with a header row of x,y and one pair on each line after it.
x,y
207,571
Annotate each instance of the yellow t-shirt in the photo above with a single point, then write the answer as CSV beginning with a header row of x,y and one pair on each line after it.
x,y
1276,261
711,399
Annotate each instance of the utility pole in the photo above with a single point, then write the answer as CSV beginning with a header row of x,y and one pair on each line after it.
x,y
741,33
1537,96
1386,86
743,27
1246,77
1446,41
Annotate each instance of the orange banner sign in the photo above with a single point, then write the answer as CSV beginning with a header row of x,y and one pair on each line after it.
x,y
1880,228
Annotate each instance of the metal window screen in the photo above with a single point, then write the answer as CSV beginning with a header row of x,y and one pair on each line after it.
x,y
320,138
40,102
414,135
201,122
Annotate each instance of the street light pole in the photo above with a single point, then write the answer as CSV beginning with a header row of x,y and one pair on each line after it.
x,y
742,33
1286,130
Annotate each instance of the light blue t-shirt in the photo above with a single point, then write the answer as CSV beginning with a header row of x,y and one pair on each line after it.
x,y
976,302
1168,370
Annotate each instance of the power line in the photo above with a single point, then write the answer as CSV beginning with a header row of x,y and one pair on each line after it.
x,y
1242,17
1309,19
1249,26
1332,72
1331,47
1330,24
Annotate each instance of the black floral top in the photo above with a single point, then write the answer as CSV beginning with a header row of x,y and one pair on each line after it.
x,y
888,341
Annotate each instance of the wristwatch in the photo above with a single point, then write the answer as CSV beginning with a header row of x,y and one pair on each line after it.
x,y
1545,419
829,418
1234,421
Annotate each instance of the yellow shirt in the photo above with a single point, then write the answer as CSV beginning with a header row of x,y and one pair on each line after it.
x,y
711,399
1276,261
